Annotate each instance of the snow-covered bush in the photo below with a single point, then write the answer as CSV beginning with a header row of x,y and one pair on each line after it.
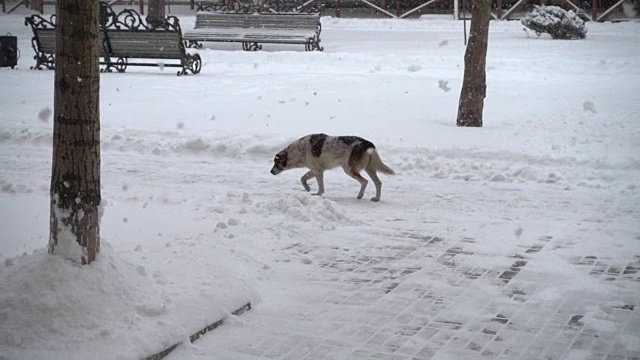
x,y
555,21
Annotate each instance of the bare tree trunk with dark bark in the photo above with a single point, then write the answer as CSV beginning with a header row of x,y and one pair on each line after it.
x,y
474,84
75,175
156,9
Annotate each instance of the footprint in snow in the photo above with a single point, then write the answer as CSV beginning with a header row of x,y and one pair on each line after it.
x,y
589,106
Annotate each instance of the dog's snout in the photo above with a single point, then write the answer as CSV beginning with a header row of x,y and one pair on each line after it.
x,y
274,171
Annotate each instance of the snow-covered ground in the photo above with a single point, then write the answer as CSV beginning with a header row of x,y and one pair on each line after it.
x,y
520,239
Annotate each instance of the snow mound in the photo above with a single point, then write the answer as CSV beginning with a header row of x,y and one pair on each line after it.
x,y
161,142
306,208
484,167
8,187
555,21
103,310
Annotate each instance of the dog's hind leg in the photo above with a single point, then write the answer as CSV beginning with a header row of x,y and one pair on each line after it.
x,y
320,177
309,175
363,182
376,181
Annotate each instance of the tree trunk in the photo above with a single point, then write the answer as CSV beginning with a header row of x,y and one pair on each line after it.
x,y
75,175
156,9
474,84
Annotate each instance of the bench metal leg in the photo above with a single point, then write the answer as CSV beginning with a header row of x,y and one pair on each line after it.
x,y
42,60
247,46
120,65
191,64
313,44
192,44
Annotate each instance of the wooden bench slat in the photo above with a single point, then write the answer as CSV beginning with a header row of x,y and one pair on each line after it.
x,y
262,25
47,40
242,32
119,44
286,28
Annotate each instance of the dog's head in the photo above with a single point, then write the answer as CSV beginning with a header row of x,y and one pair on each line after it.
x,y
280,162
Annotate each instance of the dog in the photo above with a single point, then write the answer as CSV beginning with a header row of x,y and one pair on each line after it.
x,y
320,152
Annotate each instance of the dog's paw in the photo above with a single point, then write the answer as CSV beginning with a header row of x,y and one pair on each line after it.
x,y
375,198
306,187
317,194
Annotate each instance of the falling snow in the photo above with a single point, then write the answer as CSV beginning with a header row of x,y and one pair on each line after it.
x,y
516,240
45,114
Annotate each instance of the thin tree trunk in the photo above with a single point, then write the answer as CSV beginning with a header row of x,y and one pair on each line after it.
x,y
75,175
474,84
156,9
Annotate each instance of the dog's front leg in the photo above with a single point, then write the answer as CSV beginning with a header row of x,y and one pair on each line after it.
x,y
309,175
320,177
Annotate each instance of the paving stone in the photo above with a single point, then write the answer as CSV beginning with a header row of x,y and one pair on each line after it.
x,y
555,350
594,356
391,303
426,352
615,357
533,351
360,354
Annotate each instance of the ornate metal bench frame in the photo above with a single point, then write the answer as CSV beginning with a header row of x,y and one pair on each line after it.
x,y
127,21
262,6
272,7
130,21
38,23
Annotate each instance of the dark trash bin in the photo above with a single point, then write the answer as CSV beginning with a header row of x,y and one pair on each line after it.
x,y
8,51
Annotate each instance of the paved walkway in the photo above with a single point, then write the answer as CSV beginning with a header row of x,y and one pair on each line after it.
x,y
421,298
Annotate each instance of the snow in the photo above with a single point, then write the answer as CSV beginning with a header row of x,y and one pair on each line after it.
x,y
67,244
518,239
549,15
557,22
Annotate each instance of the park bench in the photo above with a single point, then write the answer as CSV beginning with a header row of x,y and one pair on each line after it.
x,y
129,37
123,37
43,41
253,29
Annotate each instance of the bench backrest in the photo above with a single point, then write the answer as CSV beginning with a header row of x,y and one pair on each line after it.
x,y
145,44
124,34
44,33
46,39
131,36
276,21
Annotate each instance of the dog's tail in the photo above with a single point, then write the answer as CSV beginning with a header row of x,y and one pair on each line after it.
x,y
377,163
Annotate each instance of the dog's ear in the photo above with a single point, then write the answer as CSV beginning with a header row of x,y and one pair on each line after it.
x,y
281,159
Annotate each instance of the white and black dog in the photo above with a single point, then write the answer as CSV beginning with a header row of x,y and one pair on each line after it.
x,y
320,152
